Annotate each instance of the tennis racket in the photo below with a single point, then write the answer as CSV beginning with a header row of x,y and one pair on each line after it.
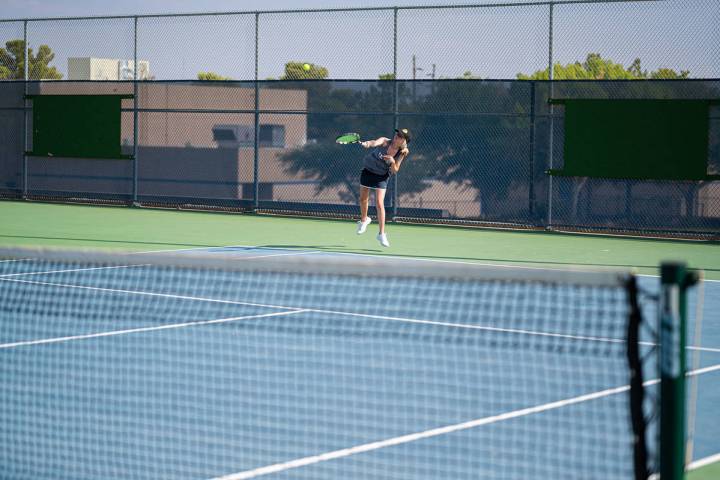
x,y
348,138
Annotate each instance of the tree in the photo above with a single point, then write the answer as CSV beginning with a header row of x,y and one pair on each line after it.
x,y
468,75
669,74
295,71
12,62
321,159
597,68
469,132
452,149
211,76
636,70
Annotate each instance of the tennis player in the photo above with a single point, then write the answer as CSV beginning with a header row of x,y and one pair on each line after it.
x,y
385,159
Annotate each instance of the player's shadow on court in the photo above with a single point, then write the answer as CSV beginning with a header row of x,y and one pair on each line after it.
x,y
321,248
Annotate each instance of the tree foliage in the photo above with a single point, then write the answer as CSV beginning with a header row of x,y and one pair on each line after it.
x,y
12,62
468,132
295,71
211,76
597,68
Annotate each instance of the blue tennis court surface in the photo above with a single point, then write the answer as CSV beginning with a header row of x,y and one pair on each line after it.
x,y
151,376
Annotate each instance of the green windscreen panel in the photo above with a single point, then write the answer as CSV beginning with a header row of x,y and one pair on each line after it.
x,y
636,139
85,126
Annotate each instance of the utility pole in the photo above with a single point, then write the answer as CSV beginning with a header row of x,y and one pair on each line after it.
x,y
414,68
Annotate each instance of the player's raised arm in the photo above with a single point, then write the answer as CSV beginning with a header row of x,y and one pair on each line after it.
x,y
378,142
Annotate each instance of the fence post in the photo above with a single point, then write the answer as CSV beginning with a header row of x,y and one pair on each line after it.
x,y
135,117
256,153
24,168
548,224
395,195
531,189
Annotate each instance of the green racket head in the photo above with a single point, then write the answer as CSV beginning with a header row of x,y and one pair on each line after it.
x,y
346,138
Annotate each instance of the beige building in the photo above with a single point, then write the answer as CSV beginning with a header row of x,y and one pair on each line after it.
x,y
190,147
88,68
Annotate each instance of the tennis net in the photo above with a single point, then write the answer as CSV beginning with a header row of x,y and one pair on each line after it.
x,y
216,366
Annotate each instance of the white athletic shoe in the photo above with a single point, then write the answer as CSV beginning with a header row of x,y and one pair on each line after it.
x,y
382,238
362,226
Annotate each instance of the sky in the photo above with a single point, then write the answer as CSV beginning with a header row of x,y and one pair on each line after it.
x,y
492,42
49,8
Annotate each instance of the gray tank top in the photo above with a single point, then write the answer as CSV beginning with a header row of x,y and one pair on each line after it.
x,y
374,162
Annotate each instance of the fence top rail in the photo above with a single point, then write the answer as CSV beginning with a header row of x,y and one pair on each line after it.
x,y
330,10
250,83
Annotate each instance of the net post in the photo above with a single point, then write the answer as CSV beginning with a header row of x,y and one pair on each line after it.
x,y
672,320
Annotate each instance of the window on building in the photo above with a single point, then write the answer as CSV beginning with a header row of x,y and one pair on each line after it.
x,y
272,136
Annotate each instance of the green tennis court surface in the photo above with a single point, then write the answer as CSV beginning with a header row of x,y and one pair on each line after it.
x,y
145,230
251,236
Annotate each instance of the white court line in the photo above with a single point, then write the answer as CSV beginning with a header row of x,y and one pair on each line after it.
x,y
351,314
496,329
323,252
394,257
170,250
700,349
240,257
243,257
704,462
367,447
143,329
435,260
149,294
87,269
71,270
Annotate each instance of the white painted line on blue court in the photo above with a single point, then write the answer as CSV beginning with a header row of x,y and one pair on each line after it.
x,y
703,462
149,294
439,260
412,437
351,314
143,329
244,257
394,257
207,249
71,270
172,250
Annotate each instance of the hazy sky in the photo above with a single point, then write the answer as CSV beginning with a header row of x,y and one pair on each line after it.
x,y
492,42
54,8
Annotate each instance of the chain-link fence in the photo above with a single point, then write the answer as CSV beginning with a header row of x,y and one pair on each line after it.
x,y
661,38
480,148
